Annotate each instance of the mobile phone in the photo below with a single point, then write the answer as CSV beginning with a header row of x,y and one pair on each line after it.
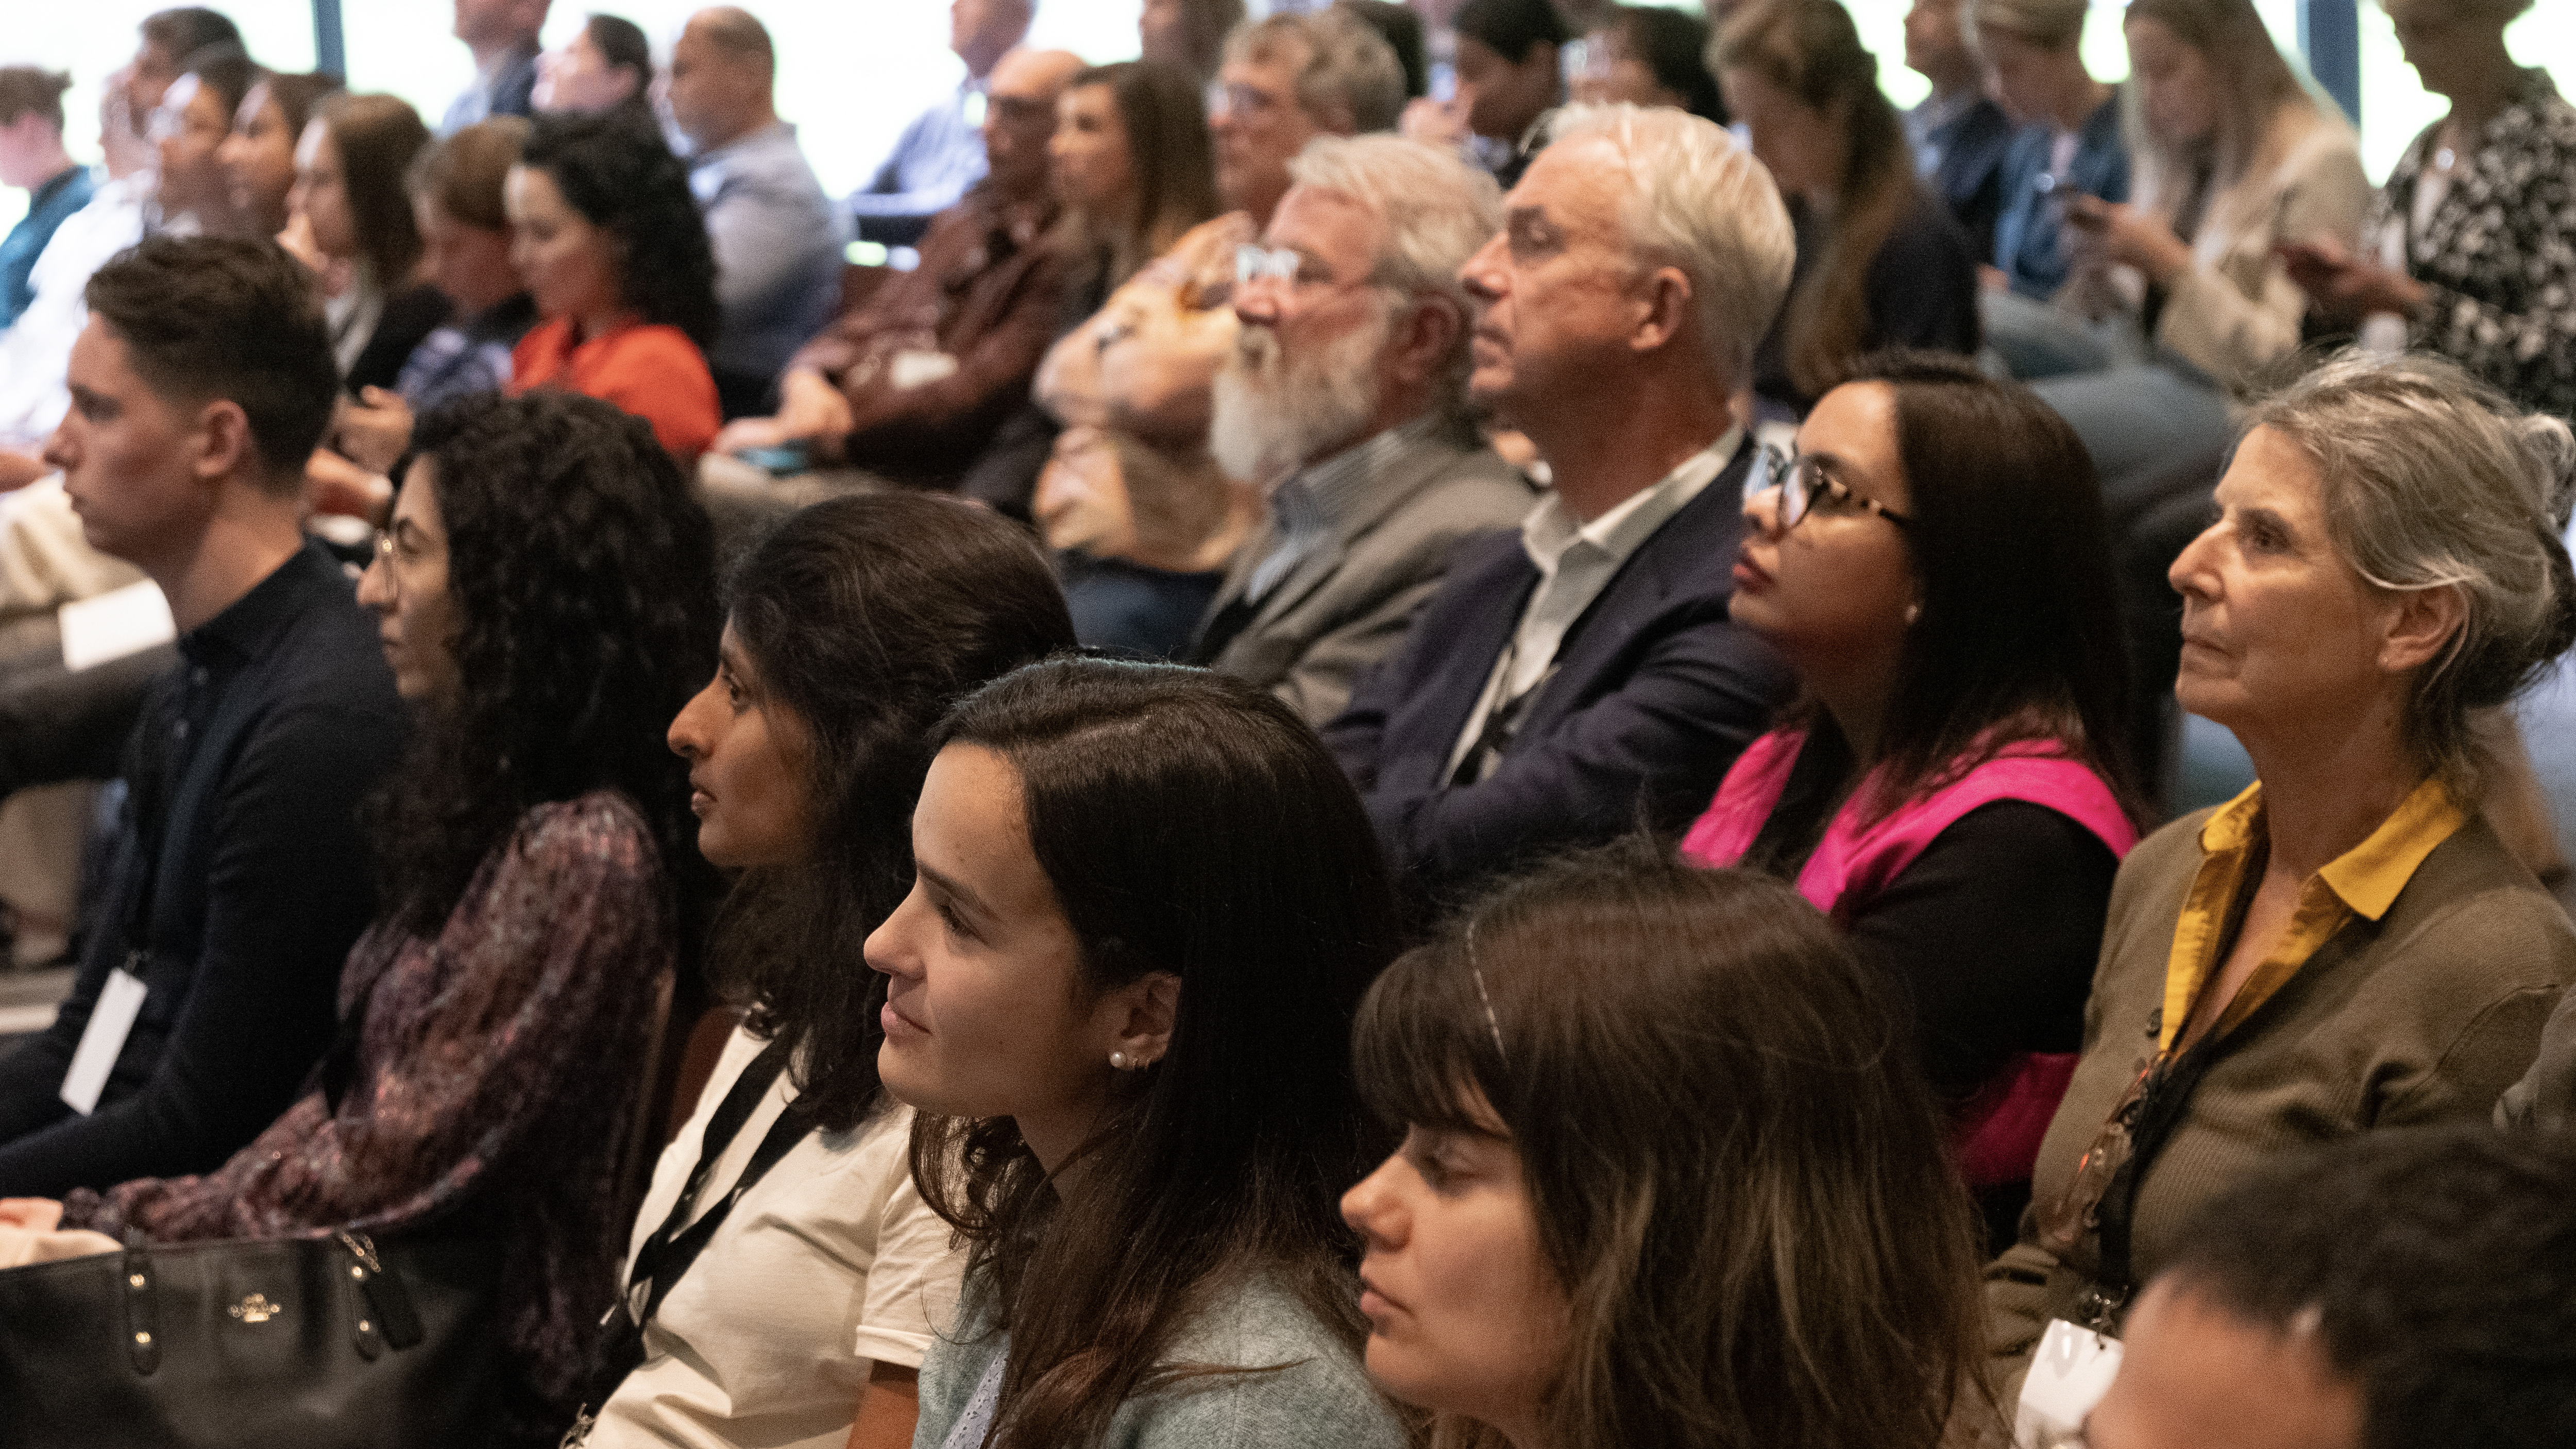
x,y
777,462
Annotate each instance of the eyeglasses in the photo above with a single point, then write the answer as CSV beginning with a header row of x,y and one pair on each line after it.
x,y
1807,485
1252,263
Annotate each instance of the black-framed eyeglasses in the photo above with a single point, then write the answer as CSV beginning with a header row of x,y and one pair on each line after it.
x,y
1806,485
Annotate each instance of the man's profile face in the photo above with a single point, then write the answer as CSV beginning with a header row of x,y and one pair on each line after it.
x,y
1019,117
1258,126
126,454
1306,372
1553,286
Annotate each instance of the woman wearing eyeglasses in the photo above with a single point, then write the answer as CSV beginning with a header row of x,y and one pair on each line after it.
x,y
1948,786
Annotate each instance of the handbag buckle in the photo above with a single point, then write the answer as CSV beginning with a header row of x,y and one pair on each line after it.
x,y
255,1309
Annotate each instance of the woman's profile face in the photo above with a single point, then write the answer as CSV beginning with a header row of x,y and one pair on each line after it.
x,y
1797,142
2017,74
1465,1314
2178,87
470,263
190,126
1089,148
322,194
1833,591
749,755
258,160
567,264
576,77
986,1012
2280,633
406,586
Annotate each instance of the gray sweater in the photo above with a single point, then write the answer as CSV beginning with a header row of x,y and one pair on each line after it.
x,y
1323,1398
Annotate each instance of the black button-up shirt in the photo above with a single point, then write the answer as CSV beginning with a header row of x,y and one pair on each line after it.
x,y
245,770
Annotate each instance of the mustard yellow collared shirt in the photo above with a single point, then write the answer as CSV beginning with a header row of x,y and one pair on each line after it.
x,y
2363,881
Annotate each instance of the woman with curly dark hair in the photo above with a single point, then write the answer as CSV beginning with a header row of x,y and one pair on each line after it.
x,y
607,236
814,1297
546,604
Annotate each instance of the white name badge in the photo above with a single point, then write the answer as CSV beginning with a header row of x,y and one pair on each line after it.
x,y
2069,1374
102,1040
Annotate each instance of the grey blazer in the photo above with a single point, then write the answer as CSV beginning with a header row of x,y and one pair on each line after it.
x,y
1346,604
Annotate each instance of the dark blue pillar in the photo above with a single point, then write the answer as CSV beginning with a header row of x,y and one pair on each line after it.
x,y
2330,37
330,47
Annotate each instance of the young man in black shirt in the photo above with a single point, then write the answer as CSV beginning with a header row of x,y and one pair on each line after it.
x,y
209,985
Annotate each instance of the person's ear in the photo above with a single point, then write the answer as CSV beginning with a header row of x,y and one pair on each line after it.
x,y
1140,1016
1663,304
222,444
2421,625
1425,337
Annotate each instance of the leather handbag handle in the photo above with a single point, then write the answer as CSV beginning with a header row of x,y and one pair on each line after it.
x,y
387,1305
142,1309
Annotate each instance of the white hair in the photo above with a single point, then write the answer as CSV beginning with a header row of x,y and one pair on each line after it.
x,y
1697,201
1433,209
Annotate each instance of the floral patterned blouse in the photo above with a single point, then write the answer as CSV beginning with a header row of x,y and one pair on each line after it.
x,y
2499,253
486,1081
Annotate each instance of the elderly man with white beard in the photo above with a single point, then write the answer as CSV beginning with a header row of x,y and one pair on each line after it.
x,y
1344,400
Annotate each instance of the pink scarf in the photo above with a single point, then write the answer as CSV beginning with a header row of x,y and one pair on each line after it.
x,y
1996,1133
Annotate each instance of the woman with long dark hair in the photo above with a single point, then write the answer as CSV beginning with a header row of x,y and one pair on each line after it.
x,y
1133,168
851,629
1120,995
1662,1185
608,238
546,601
350,208
258,158
1933,565
1881,263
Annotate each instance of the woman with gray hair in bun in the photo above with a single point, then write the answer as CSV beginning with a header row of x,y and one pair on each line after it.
x,y
2347,945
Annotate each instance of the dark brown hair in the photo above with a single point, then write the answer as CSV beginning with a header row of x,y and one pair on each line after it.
x,y
1809,49
465,173
1191,824
1737,1176
217,317
1165,116
377,138
864,619
25,88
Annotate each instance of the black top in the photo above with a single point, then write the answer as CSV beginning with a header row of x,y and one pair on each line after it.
x,y
1922,293
409,316
246,771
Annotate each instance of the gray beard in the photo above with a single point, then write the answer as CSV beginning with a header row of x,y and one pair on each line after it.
x,y
1276,412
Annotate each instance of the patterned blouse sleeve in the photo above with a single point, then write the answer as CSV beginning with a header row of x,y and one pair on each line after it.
x,y
2529,352
542,972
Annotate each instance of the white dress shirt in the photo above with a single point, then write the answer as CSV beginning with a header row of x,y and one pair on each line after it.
x,y
1575,562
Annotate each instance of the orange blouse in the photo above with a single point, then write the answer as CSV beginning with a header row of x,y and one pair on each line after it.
x,y
652,371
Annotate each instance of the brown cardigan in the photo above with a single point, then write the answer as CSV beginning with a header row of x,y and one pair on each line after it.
x,y
2425,1016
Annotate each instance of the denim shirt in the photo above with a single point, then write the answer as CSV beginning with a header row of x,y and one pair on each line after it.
x,y
47,206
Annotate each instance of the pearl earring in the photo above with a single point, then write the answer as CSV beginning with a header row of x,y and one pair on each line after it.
x,y
1118,1061
1913,612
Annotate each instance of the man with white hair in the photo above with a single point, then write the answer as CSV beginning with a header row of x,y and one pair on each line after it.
x,y
1579,680
1344,399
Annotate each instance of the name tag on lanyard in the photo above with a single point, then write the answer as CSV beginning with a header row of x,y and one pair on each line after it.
x,y
103,1040
2069,1374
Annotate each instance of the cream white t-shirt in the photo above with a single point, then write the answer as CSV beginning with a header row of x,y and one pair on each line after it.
x,y
830,1263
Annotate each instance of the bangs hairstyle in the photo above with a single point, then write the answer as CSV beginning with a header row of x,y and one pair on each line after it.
x,y
1738,1178
863,619
1189,823
2020,636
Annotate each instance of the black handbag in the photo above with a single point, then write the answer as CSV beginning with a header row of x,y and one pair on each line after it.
x,y
315,1343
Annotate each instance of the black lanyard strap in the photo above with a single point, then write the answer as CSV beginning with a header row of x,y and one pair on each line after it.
x,y
665,1257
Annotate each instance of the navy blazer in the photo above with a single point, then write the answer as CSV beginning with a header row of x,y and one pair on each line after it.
x,y
1654,695
1967,159
2028,246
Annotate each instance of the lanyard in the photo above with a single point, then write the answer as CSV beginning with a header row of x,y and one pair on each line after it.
x,y
666,1256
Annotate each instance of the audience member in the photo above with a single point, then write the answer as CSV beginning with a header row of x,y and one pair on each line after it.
x,y
1581,679
238,882
1959,135
2346,946
608,240
1143,520
1131,168
2071,144
605,65
258,158
502,34
1934,565
1188,35
940,156
1401,29
852,628
1144,910
192,196
777,238
913,383
1509,75
32,159
2417,1287
1646,55
169,37
1659,1184
1345,400
351,206
457,202
533,860
1288,78
1881,262
2469,251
